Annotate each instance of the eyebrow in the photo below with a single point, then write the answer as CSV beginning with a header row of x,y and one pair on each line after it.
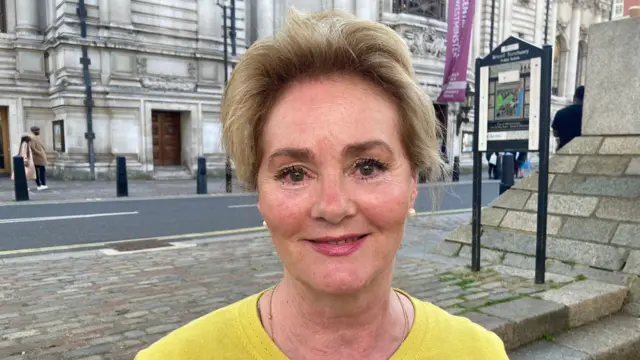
x,y
302,155
352,150
356,149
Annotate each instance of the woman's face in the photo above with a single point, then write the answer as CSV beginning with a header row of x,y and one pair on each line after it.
x,y
335,183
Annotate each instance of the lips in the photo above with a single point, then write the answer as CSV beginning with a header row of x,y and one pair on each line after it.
x,y
338,246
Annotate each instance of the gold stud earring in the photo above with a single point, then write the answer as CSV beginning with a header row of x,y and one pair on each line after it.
x,y
412,212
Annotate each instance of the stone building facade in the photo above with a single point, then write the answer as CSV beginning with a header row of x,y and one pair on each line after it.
x,y
157,71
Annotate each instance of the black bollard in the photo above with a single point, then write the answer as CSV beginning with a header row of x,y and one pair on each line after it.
x,y
507,180
456,169
422,177
122,184
20,179
201,177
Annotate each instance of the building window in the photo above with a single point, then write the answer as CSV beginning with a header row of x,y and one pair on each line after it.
x,y
618,9
3,16
434,9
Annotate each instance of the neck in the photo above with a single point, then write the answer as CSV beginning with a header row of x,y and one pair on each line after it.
x,y
359,325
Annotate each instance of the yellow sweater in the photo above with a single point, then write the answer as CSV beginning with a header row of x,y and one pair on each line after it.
x,y
235,332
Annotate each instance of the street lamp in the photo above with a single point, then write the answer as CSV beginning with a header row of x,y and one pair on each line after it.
x,y
226,35
463,115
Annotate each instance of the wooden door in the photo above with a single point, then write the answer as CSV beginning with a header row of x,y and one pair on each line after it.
x,y
167,147
5,146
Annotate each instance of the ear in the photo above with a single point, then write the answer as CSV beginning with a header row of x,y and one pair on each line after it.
x,y
414,189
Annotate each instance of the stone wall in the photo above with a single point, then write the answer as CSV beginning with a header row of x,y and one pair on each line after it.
x,y
593,223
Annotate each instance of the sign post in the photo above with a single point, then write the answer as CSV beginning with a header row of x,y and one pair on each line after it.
x,y
512,114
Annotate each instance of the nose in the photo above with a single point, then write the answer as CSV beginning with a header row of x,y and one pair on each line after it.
x,y
333,203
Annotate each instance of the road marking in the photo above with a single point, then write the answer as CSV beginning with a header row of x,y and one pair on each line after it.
x,y
107,243
174,245
443,212
179,237
242,206
66,217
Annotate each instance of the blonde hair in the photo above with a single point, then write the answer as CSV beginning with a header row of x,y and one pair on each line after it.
x,y
325,44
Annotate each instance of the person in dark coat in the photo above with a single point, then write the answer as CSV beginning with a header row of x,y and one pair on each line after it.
x,y
567,123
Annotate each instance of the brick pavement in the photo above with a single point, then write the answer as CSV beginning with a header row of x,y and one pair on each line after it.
x,y
100,307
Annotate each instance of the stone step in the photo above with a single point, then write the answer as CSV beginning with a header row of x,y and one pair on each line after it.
x,y
172,173
615,337
528,319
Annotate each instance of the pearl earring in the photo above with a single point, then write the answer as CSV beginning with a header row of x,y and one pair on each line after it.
x,y
264,224
412,212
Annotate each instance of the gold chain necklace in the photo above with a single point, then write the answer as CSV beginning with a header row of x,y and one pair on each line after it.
x,y
404,313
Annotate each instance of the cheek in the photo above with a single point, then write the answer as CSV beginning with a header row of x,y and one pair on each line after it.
x,y
284,211
385,206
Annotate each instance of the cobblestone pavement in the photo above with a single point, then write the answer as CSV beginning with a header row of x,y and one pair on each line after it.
x,y
109,307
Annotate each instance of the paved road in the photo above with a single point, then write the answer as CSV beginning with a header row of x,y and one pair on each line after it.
x,y
47,225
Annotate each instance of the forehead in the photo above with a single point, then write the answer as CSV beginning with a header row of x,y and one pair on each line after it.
x,y
331,113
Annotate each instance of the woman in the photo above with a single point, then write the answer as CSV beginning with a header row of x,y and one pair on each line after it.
x,y
25,152
521,159
328,125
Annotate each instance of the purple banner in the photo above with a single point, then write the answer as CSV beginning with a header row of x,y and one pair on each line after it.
x,y
460,23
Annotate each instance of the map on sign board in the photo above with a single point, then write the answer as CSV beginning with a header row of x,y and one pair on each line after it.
x,y
508,94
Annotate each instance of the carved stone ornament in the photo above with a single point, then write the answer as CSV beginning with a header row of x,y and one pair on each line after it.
x,y
424,42
193,70
583,33
561,27
580,3
141,66
167,83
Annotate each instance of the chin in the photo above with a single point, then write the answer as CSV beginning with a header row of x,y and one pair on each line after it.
x,y
340,281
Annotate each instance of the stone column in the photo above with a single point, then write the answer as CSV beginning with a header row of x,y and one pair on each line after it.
x,y
209,19
363,9
508,13
344,5
477,29
120,12
574,42
27,16
539,22
265,16
553,22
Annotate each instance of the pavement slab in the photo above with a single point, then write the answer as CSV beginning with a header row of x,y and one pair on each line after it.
x,y
98,306
91,190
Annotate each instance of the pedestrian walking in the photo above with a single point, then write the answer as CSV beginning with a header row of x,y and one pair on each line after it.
x,y
567,123
27,155
521,159
492,159
336,181
39,158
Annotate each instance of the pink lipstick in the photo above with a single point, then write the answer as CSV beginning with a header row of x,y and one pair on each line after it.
x,y
338,246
